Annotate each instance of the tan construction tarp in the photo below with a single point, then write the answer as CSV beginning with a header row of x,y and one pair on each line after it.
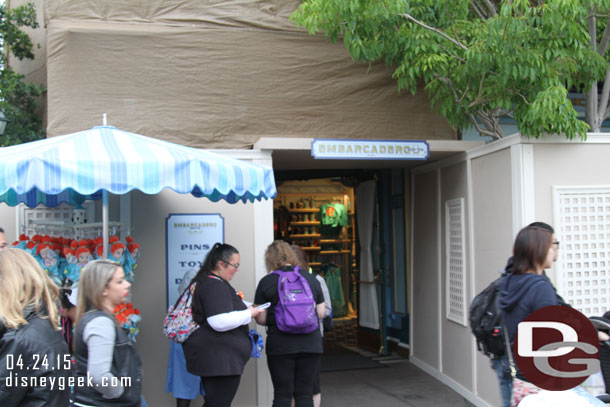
x,y
217,74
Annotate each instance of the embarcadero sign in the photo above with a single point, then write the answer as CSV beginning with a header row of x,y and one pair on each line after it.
x,y
369,149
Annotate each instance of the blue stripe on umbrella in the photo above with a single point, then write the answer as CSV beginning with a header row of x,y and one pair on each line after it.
x,y
22,173
182,172
117,175
148,177
180,168
85,167
52,168
35,197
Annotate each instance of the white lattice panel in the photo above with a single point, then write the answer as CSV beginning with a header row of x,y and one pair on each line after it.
x,y
582,218
455,254
52,221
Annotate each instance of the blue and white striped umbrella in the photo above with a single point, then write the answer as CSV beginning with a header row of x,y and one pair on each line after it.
x,y
78,166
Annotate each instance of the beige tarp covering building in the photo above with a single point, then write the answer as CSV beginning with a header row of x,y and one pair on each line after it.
x,y
217,74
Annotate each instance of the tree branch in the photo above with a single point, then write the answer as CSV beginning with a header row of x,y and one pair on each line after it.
x,y
478,10
436,30
603,44
592,25
449,83
453,54
523,97
482,130
465,92
591,107
491,120
491,8
603,102
606,113
515,9
479,93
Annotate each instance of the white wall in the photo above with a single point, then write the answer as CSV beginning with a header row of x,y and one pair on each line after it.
x,y
8,219
567,165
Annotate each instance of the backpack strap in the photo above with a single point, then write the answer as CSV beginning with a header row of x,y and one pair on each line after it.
x,y
187,289
509,353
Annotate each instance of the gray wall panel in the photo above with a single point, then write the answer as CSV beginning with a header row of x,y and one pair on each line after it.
x,y
492,204
425,268
456,341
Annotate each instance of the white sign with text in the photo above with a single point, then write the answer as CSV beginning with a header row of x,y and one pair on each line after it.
x,y
188,239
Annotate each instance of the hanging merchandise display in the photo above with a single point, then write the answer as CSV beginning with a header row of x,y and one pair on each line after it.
x,y
333,281
129,317
63,258
333,217
281,224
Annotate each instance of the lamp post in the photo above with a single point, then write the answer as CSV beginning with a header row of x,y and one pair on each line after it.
x,y
3,122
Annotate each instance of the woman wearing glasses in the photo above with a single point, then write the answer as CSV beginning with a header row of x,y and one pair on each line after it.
x,y
526,290
220,348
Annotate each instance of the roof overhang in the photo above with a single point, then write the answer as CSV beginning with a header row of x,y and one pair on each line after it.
x,y
295,154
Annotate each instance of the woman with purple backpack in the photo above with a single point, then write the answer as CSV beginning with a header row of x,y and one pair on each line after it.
x,y
294,342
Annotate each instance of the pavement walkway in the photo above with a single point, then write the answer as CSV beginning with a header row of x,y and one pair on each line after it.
x,y
398,384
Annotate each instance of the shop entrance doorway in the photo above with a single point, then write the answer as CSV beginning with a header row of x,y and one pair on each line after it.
x,y
390,271
392,259
320,215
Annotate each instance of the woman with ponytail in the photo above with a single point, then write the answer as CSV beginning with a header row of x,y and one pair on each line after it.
x,y
220,348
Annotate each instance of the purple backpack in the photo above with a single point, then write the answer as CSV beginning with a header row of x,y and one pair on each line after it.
x,y
295,313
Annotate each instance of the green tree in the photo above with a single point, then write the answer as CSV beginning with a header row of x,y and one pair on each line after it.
x,y
480,60
18,99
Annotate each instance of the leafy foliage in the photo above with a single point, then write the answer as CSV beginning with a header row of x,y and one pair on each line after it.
x,y
18,99
479,60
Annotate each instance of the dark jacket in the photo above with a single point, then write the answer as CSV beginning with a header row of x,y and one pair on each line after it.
x,y
125,363
34,352
509,269
520,295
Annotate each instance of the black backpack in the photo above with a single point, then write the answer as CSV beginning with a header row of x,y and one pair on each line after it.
x,y
486,320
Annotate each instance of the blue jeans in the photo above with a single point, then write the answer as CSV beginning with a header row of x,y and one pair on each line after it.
x,y
502,368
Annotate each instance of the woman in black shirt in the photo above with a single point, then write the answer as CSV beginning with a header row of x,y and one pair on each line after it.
x,y
292,358
220,348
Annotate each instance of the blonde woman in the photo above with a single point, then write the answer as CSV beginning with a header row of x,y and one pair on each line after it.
x,y
293,359
31,344
102,350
